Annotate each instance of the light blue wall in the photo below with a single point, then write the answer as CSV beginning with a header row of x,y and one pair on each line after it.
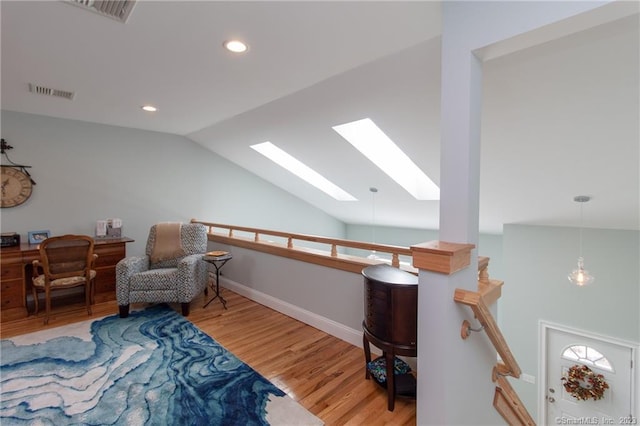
x,y
87,171
537,261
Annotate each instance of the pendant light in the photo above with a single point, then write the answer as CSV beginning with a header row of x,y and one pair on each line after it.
x,y
373,191
581,276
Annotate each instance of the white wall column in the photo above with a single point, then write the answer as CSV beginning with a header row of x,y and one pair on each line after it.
x,y
454,375
455,390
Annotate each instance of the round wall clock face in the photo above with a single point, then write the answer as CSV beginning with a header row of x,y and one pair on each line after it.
x,y
16,187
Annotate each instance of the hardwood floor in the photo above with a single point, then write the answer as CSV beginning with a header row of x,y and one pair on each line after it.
x,y
323,373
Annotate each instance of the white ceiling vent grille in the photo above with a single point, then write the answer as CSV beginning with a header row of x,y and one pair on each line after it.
x,y
115,9
47,91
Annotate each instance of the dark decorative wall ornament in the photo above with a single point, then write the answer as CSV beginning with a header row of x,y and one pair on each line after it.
x,y
16,182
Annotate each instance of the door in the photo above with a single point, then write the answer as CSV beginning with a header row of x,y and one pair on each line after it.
x,y
564,350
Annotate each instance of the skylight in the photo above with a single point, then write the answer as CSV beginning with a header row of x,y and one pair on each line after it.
x,y
367,138
301,170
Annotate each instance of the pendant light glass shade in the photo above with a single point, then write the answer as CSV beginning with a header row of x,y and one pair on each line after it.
x,y
581,276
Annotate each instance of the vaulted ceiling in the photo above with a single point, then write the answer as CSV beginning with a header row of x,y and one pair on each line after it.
x,y
559,119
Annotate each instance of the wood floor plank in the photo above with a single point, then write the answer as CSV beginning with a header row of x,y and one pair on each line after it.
x,y
323,373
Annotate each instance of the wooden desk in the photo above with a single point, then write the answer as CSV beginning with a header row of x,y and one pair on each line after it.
x,y
16,273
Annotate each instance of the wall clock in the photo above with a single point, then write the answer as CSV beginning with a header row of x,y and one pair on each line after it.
x,y
16,187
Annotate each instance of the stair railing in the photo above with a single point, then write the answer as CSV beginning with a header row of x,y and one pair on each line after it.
x,y
506,400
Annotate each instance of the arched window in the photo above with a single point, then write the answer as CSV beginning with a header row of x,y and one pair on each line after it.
x,y
587,355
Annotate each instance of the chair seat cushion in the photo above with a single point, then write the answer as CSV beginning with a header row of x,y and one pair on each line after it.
x,y
154,279
62,282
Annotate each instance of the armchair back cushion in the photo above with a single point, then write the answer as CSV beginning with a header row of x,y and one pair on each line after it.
x,y
193,237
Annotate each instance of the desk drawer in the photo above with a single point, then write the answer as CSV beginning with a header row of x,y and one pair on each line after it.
x,y
108,260
11,295
11,272
105,280
109,256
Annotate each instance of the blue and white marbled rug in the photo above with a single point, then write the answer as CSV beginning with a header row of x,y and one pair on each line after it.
x,y
152,368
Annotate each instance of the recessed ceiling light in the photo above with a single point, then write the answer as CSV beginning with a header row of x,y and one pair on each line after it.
x,y
367,138
149,108
235,46
301,170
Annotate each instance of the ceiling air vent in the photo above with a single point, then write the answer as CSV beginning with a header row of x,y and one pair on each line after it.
x,y
47,91
118,10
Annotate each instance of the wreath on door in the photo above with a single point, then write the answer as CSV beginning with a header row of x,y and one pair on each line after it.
x,y
583,384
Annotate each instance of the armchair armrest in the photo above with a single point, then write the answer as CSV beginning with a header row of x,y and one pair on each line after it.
x,y
192,273
131,265
125,269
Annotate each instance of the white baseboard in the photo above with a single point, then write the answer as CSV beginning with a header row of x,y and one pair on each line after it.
x,y
327,325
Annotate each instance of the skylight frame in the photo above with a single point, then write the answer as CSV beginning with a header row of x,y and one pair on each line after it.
x,y
374,144
301,170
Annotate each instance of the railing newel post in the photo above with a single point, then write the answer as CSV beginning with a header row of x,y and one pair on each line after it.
x,y
483,275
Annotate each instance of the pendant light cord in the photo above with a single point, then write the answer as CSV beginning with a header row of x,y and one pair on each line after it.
x,y
373,215
581,226
581,199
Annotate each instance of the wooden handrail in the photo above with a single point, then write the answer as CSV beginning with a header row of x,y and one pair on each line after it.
x,y
384,248
483,314
225,234
507,402
331,257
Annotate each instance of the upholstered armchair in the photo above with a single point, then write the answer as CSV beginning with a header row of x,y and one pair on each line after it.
x,y
172,269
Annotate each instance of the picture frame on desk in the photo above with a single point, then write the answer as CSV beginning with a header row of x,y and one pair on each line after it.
x,y
36,237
